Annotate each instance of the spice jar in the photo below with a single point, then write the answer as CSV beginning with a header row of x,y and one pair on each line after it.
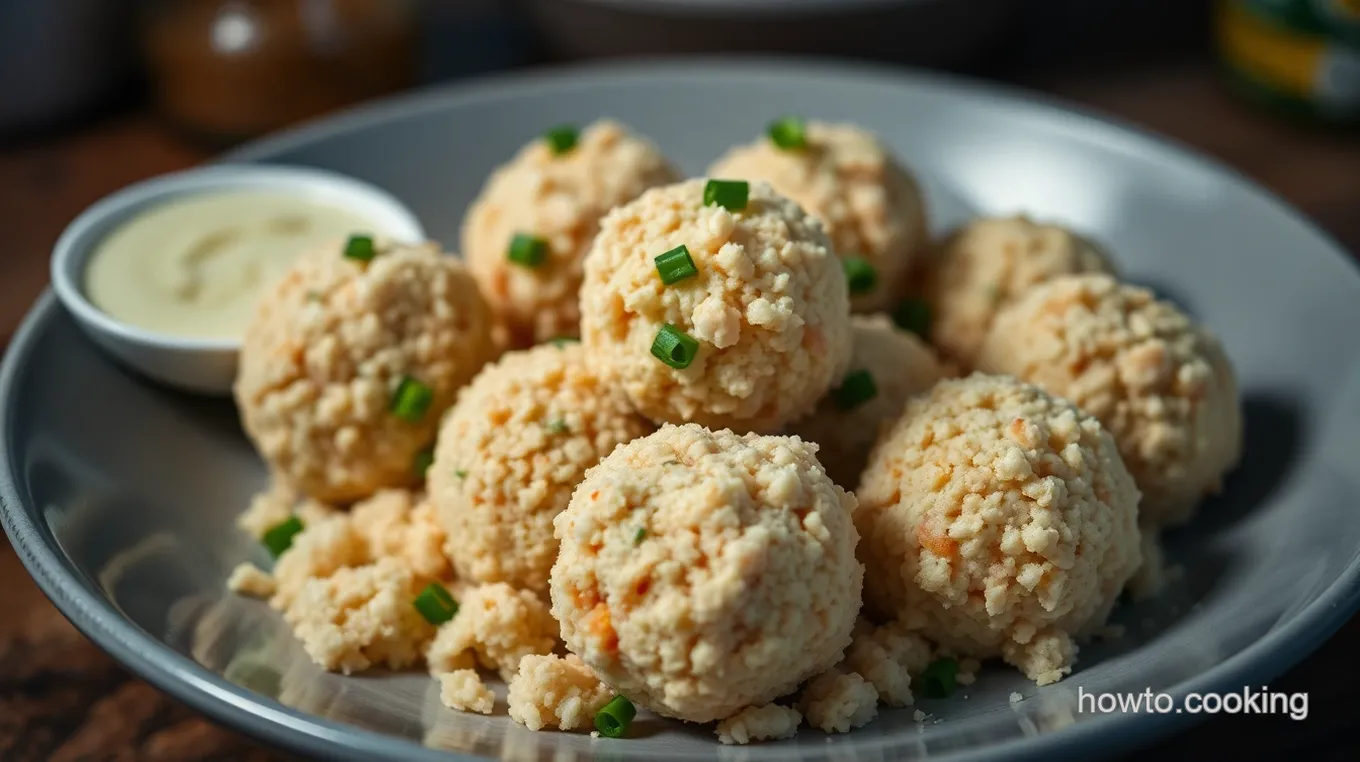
x,y
1300,57
228,70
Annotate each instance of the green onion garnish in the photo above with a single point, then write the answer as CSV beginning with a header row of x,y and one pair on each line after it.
x,y
789,133
675,265
562,341
435,604
614,719
411,400
562,138
423,461
527,250
558,426
729,194
460,473
857,389
861,275
913,315
279,537
939,679
360,247
674,347
638,535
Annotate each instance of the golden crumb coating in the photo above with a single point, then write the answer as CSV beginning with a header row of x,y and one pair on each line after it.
x,y
327,349
511,451
702,572
837,702
1000,517
769,308
496,625
556,692
759,723
1159,382
871,205
900,365
559,198
987,265
463,689
361,616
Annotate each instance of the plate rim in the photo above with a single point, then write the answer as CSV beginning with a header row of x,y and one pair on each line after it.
x,y
264,718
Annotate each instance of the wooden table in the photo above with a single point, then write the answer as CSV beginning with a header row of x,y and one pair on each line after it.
x,y
63,700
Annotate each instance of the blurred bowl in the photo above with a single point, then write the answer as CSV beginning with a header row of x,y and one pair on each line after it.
x,y
922,32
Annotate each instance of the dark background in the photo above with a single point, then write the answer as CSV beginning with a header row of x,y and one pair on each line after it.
x,y
1150,62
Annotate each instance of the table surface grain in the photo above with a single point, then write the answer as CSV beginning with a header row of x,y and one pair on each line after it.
x,y
61,699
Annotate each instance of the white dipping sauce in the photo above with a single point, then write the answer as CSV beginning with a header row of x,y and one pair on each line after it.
x,y
195,266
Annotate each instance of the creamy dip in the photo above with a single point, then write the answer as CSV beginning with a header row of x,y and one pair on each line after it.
x,y
195,266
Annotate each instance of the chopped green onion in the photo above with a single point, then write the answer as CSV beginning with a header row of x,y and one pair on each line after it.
x,y
939,679
279,537
729,194
360,247
789,133
424,459
313,296
435,604
613,720
411,400
676,265
460,473
857,389
674,347
913,315
562,138
558,426
638,535
527,250
861,275
562,341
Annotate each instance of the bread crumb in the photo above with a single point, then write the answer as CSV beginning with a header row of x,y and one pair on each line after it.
x,y
919,716
759,723
1016,697
464,690
555,691
837,701
968,669
887,656
359,617
496,626
249,579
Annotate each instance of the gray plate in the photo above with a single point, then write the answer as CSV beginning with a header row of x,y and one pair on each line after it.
x,y
120,496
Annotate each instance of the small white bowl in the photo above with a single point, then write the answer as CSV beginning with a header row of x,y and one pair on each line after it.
x,y
204,366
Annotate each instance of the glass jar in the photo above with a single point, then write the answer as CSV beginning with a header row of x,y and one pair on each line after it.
x,y
1300,57
227,70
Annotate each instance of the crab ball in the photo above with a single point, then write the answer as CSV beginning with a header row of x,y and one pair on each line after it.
x,y
751,330
887,366
347,365
987,265
842,174
703,572
552,197
1160,383
511,451
1002,518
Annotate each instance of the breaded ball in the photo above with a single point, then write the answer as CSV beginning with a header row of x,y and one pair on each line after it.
x,y
702,572
870,203
987,265
768,308
899,364
511,451
1161,384
330,346
559,198
1002,519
